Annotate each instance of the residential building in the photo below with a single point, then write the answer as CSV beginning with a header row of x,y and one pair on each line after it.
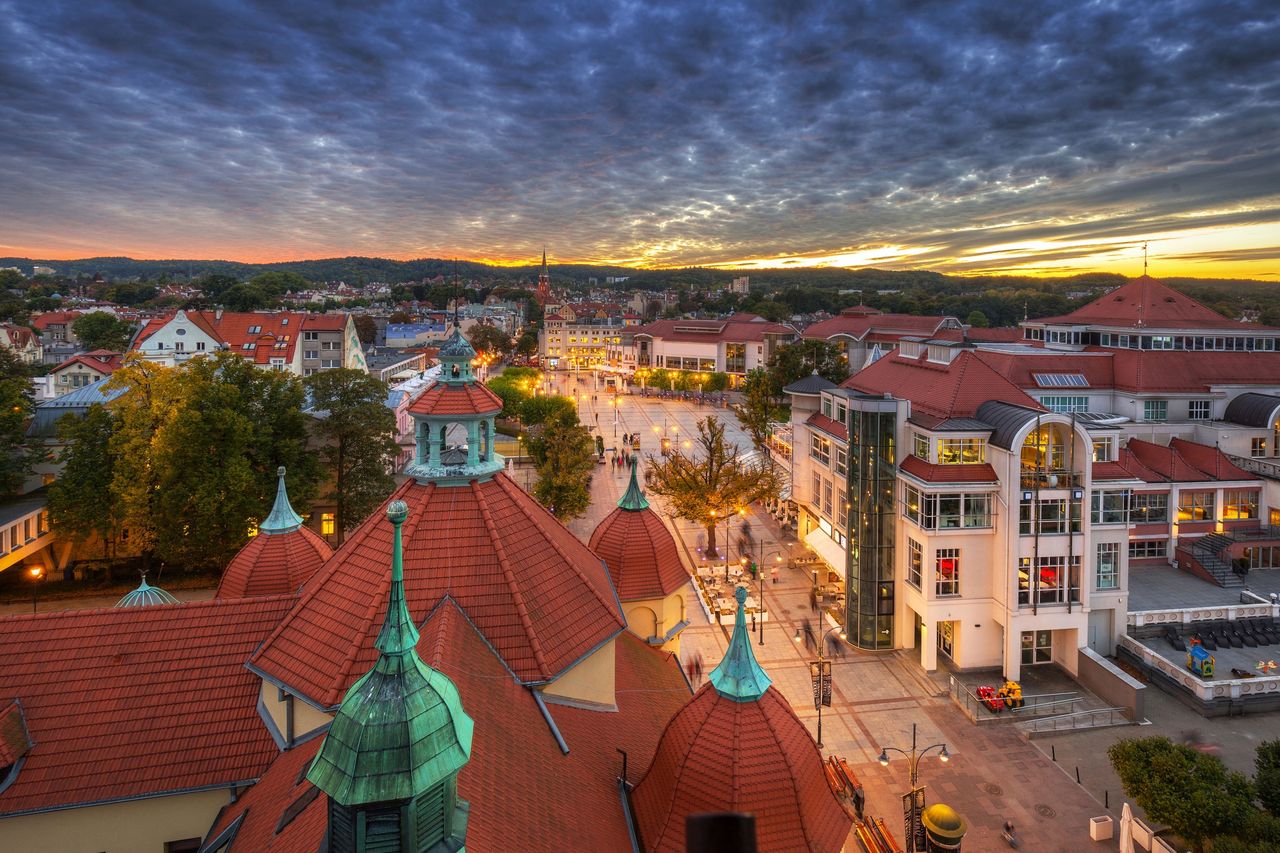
x,y
577,335
983,501
281,340
56,326
83,369
22,341
734,345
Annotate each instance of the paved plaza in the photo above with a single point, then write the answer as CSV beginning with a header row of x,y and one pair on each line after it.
x,y
1167,588
994,774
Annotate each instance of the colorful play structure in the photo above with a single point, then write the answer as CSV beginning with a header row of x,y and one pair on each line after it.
x,y
1199,660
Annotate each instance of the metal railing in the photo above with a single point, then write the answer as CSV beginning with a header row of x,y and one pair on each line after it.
x,y
978,710
1094,719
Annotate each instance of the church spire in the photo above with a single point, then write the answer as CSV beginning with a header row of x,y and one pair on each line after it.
x,y
739,677
282,518
633,499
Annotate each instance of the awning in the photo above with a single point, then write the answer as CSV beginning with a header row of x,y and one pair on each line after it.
x,y
827,548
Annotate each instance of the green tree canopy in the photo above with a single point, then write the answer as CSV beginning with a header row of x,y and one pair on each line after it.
x,y
791,362
357,435
100,330
565,459
1193,793
977,319
214,285
366,328
760,406
486,337
18,453
81,507
278,283
527,345
712,482
245,297
1266,762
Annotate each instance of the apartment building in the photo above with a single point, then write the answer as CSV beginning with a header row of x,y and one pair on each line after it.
x,y
985,501
735,345
298,342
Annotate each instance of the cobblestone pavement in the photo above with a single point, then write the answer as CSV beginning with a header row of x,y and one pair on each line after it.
x,y
994,774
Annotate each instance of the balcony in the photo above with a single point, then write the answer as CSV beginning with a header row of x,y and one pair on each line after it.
x,y
1033,479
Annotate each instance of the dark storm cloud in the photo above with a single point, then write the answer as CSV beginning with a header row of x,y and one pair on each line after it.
x,y
699,132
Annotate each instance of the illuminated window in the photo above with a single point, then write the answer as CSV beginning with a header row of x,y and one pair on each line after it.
x,y
327,526
1238,503
253,530
1257,447
1195,506
915,563
961,451
1150,507
921,448
947,571
1103,448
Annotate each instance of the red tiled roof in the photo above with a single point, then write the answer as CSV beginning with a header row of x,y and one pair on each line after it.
x,y
274,564
739,327
232,328
828,425
640,554
953,390
995,336
103,361
136,701
533,589
534,798
15,741
1111,471
472,398
1210,460
1020,367
1183,370
1180,462
977,472
54,318
718,755
857,322
1147,303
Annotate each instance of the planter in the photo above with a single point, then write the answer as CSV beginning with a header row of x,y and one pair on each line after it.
x,y
1101,828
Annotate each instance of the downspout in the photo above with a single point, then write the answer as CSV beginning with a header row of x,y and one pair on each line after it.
x,y
1071,536
1034,575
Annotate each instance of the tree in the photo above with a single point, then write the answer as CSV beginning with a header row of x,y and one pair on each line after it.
x,y
366,329
1193,793
359,445
527,345
278,283
18,453
11,280
977,319
759,407
100,330
398,317
711,484
214,285
244,297
1266,762
565,460
796,361
541,410
81,508
486,337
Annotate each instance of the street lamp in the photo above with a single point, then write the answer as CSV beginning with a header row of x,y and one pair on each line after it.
x,y
913,767
36,573
824,673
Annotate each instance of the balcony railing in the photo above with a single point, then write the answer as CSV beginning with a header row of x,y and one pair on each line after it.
x,y
1031,479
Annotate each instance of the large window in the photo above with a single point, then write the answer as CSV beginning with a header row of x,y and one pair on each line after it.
x,y
826,497
920,447
915,563
1110,507
1037,647
961,451
1239,503
1107,568
1257,447
1146,549
1149,507
1065,405
947,571
327,525
950,511
1195,506
1054,583
820,449
1052,516
1103,448
1198,410
1155,410
842,461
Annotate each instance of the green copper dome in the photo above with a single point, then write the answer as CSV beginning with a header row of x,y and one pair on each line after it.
x,y
401,729
634,499
146,595
456,346
739,677
282,518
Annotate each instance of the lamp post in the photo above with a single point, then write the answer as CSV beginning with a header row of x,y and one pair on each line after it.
x,y
36,573
777,555
913,768
823,673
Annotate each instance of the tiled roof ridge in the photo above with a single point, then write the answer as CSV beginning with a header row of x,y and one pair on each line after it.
x,y
786,756
516,494
57,615
1130,461
517,595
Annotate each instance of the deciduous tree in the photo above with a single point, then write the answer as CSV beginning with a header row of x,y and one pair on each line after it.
x,y
81,508
759,407
357,432
796,361
565,460
712,482
366,329
100,330
486,337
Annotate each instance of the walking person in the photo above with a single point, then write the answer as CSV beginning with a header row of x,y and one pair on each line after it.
x,y
810,641
813,600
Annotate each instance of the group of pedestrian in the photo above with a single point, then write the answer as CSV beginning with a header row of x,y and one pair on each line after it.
x,y
693,668
622,459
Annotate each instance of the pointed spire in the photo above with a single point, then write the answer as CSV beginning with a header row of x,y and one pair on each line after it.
x,y
544,261
739,677
398,635
282,518
633,499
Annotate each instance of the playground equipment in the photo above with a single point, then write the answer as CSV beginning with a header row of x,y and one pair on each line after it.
x,y
1199,661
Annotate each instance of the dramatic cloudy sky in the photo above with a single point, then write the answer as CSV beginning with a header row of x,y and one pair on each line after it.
x,y
960,136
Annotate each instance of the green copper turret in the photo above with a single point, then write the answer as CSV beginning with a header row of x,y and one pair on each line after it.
x,y
282,518
633,499
390,760
739,677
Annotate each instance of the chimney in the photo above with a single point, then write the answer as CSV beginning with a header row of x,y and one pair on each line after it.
x,y
217,315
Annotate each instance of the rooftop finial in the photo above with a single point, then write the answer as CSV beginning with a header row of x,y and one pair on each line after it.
x,y
398,635
634,499
282,518
739,677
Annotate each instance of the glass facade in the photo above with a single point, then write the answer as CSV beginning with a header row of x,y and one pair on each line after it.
x,y
872,480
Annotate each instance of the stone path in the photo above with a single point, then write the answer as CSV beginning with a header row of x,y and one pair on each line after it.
x,y
994,775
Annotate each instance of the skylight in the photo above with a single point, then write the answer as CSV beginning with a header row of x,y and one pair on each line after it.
x,y
1061,380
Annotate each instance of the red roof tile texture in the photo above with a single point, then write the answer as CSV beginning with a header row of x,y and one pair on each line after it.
x,y
857,322
953,390
828,425
979,472
533,589
534,798
274,564
136,701
739,327
15,741
756,757
233,328
1148,303
1179,462
640,553
469,399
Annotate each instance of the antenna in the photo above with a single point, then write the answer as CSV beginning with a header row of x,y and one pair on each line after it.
x,y
1144,258
457,293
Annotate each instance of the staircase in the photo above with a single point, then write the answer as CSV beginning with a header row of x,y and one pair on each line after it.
x,y
1205,553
